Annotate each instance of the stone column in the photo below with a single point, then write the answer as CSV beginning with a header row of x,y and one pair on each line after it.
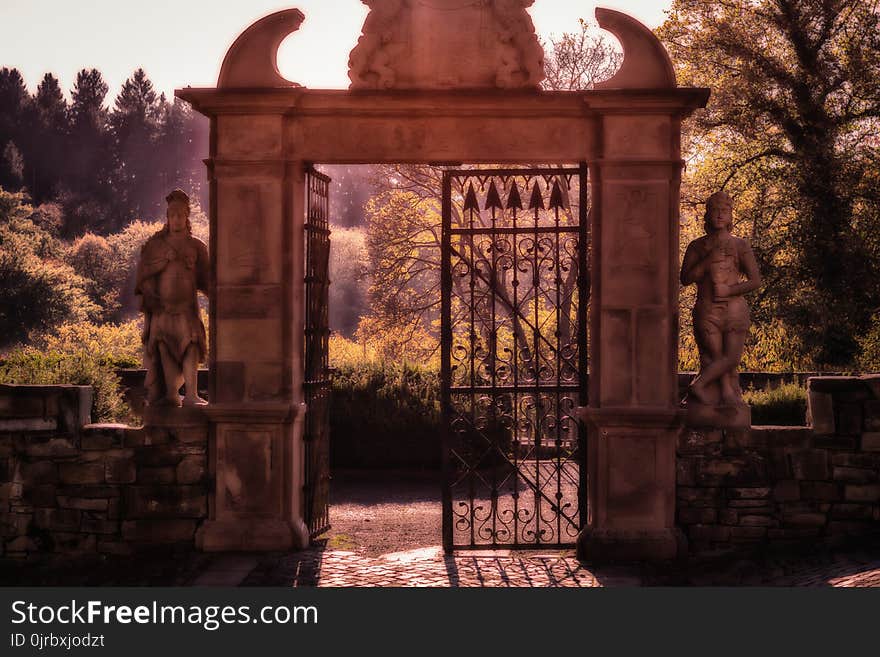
x,y
255,338
632,418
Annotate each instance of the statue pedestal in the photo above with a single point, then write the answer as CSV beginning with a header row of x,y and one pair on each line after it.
x,y
174,416
738,416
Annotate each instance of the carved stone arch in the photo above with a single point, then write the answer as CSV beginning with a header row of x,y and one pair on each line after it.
x,y
252,60
646,64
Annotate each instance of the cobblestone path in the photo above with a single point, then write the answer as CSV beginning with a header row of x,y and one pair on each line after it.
x,y
387,533
429,567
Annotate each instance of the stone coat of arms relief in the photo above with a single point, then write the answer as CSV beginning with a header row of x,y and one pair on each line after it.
x,y
438,44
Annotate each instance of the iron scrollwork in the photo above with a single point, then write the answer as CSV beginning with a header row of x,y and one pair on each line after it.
x,y
515,291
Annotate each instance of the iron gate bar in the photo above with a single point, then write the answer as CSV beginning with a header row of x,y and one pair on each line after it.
x,y
544,404
316,382
445,340
584,286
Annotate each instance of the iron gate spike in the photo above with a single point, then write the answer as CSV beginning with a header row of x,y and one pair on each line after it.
x,y
556,200
493,200
537,200
470,199
513,200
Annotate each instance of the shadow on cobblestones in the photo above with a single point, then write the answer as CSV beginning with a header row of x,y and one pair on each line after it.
x,y
387,529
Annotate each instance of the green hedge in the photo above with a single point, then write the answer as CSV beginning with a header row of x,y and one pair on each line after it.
x,y
385,415
785,405
28,365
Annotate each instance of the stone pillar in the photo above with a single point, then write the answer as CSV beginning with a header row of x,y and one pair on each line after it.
x,y
255,338
632,418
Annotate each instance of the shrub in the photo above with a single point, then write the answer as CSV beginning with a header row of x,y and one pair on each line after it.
x,y
118,345
770,347
785,405
385,414
869,347
126,247
37,290
92,258
29,365
37,295
398,340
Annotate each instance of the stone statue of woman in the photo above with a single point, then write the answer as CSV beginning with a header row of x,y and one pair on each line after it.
x,y
724,269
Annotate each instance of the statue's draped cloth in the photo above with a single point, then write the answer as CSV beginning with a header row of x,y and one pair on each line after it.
x,y
169,301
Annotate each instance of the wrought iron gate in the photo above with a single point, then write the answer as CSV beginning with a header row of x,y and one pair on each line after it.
x,y
317,334
514,359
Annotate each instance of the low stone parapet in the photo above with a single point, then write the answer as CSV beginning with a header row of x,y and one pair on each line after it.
x,y
786,486
70,488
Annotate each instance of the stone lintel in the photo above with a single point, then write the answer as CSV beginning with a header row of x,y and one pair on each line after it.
x,y
257,169
677,163
394,104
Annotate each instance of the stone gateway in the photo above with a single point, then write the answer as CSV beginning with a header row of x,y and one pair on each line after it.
x,y
404,106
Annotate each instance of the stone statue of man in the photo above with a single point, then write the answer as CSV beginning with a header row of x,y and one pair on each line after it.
x,y
173,266
724,269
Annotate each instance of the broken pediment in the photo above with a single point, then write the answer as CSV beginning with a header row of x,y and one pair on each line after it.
x,y
444,44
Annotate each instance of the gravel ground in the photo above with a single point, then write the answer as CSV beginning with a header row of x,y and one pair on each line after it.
x,y
378,513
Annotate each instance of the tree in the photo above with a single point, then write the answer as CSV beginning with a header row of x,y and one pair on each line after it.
x,y
350,188
403,244
15,111
348,272
91,256
135,123
38,291
87,196
182,143
791,130
102,169
12,165
578,60
126,246
50,139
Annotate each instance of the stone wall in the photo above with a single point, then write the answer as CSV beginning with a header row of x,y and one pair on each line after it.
x,y
69,487
786,486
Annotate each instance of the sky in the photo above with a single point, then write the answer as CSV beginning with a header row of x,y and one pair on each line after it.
x,y
183,42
